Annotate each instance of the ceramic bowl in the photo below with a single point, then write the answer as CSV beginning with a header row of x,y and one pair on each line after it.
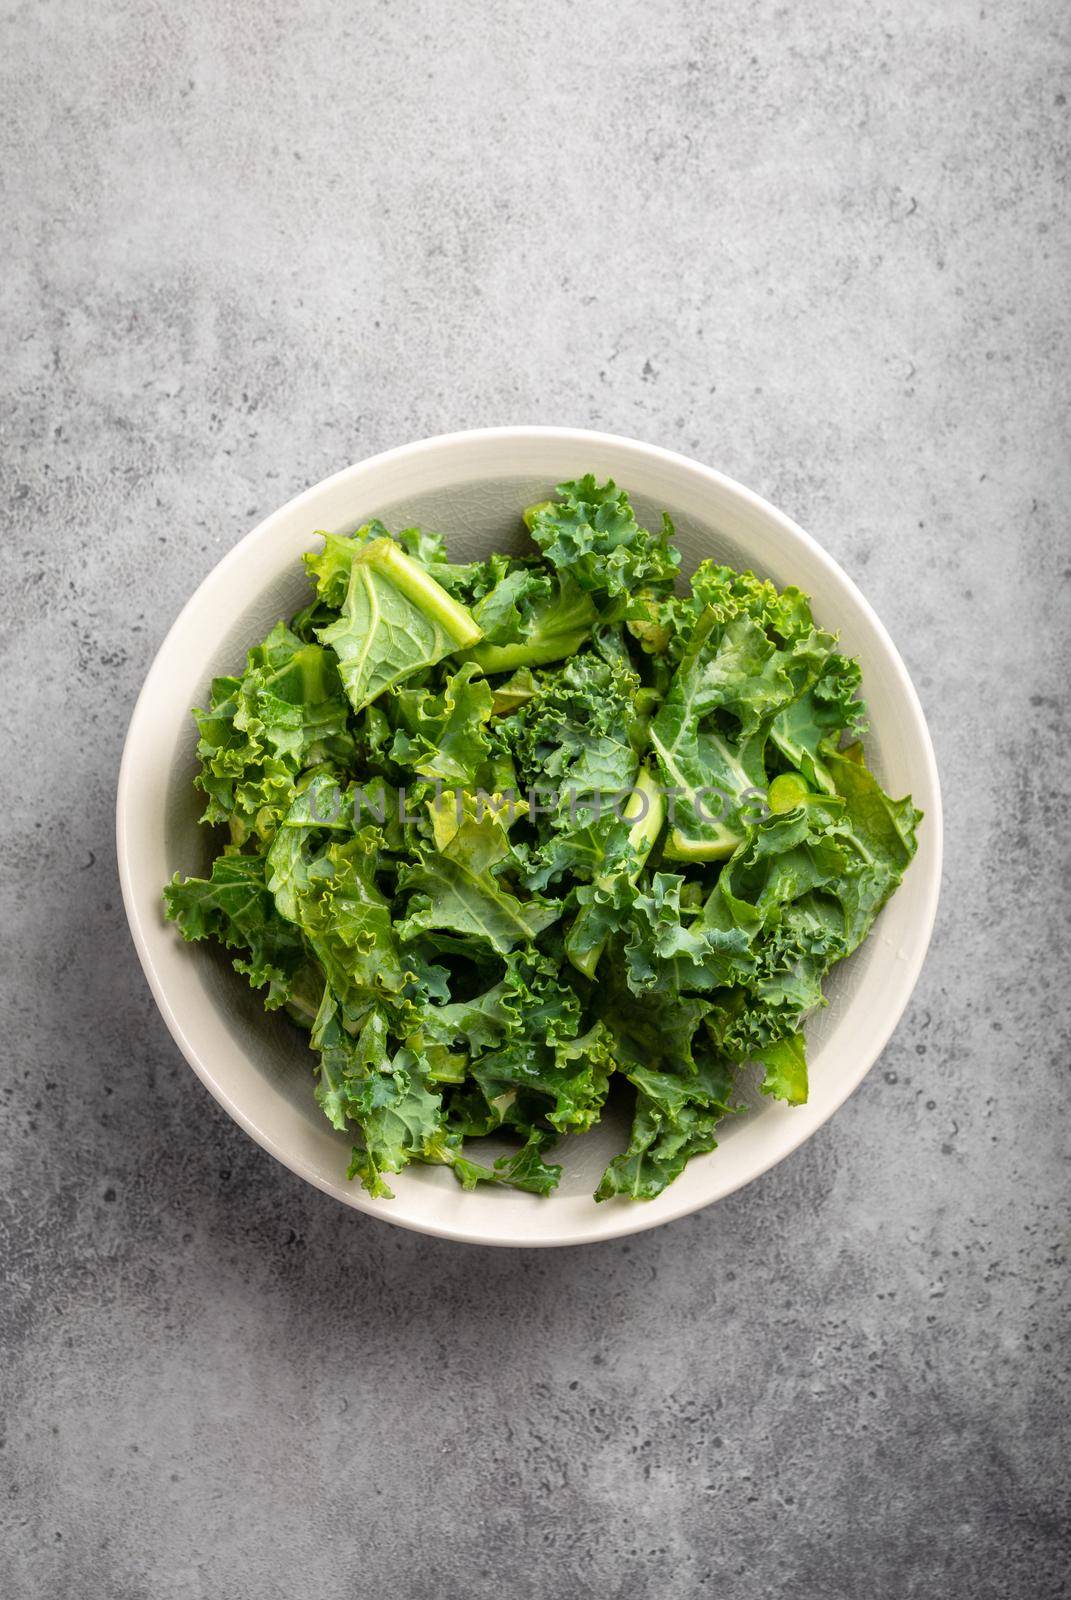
x,y
472,487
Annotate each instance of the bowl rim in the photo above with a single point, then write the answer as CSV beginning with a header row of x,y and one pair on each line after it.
x,y
637,1217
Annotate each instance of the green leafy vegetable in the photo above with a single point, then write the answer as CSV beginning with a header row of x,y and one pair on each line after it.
x,y
553,623
590,532
509,838
444,736
460,887
395,620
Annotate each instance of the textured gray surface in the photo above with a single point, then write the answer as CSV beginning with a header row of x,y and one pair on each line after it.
x,y
820,247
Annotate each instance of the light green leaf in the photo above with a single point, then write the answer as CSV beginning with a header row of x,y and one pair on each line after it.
x,y
444,736
454,888
395,621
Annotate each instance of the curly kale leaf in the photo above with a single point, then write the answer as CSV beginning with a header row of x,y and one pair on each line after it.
x,y
235,906
285,713
590,532
711,732
444,736
459,888
575,744
533,621
673,1122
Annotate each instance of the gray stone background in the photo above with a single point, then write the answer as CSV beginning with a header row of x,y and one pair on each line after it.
x,y
823,247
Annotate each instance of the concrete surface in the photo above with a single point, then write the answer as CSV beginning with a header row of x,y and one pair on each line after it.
x,y
822,247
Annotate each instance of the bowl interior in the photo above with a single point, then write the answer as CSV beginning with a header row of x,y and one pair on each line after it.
x,y
259,1065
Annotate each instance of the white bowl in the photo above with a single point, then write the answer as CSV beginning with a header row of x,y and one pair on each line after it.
x,y
472,487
